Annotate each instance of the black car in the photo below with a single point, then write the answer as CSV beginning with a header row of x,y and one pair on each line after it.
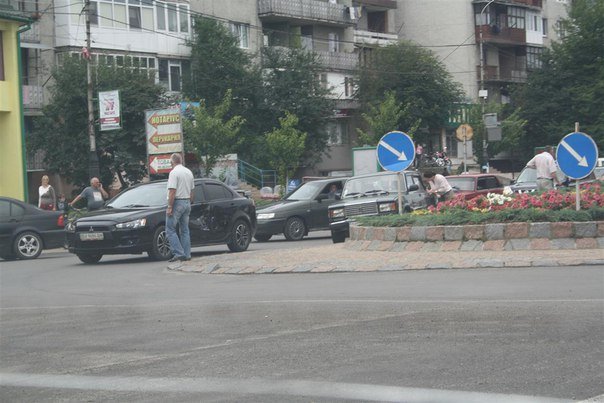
x,y
133,222
301,211
375,194
26,230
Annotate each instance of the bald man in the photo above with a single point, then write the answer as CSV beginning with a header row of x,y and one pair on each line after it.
x,y
94,194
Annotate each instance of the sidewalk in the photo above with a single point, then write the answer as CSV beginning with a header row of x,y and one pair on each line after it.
x,y
348,257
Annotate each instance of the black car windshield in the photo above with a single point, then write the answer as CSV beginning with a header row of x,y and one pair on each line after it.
x,y
370,186
149,195
461,183
307,191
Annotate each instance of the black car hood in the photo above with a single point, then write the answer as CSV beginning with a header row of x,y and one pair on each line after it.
x,y
280,205
119,215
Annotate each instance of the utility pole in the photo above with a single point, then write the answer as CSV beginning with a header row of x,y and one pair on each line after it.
x,y
481,93
93,159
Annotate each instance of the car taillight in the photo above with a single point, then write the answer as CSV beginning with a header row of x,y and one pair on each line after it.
x,y
61,221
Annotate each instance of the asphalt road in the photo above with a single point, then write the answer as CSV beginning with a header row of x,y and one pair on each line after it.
x,y
129,330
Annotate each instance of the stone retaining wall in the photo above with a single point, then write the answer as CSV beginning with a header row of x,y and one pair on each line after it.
x,y
496,237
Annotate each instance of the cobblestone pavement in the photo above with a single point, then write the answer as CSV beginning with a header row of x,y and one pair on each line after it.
x,y
365,256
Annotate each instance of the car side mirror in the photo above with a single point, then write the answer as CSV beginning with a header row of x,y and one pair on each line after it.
x,y
322,197
413,188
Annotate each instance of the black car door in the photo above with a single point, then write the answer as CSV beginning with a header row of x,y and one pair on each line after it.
x,y
7,224
197,220
318,208
218,208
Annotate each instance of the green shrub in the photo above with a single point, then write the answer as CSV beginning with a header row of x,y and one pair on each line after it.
x,y
464,217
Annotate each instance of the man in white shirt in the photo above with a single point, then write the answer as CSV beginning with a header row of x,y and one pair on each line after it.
x,y
180,197
439,186
546,168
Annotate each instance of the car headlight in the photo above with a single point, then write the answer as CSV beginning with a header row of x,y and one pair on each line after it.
x,y
141,222
70,226
387,207
265,216
336,213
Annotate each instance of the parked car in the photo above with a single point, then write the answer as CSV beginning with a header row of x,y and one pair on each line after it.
x,y
375,194
472,185
133,222
301,211
26,230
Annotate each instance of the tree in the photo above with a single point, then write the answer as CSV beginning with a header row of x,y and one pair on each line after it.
x,y
217,66
418,80
291,84
512,129
212,134
384,118
569,87
62,130
285,146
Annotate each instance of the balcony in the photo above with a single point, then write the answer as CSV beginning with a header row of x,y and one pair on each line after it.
x,y
32,35
495,74
374,38
536,4
338,60
501,35
306,11
33,97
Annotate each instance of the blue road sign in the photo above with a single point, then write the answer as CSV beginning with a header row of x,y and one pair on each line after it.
x,y
395,151
577,155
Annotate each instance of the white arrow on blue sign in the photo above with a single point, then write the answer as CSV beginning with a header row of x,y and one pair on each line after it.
x,y
395,151
577,155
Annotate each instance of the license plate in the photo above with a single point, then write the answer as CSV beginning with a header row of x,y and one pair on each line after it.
x,y
91,236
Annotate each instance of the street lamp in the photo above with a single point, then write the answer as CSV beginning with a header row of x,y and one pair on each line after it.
x,y
481,93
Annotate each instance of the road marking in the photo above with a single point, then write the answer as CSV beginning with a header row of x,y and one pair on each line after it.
x,y
400,154
313,301
582,160
259,386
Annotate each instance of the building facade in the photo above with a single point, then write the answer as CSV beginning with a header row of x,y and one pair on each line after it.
x,y
13,180
484,44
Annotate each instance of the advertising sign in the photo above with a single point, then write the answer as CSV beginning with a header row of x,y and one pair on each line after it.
x,y
159,164
109,110
164,131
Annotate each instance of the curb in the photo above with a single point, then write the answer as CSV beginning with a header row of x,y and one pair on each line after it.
x,y
347,258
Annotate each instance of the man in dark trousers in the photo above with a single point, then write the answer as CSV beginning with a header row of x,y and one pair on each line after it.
x,y
180,197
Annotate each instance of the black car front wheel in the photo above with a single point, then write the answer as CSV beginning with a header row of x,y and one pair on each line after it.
x,y
241,236
262,237
338,236
27,245
89,258
160,250
294,229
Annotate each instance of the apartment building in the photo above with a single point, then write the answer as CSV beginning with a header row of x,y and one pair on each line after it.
x,y
486,45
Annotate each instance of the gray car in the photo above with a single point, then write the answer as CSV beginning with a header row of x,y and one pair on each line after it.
x,y
375,194
301,211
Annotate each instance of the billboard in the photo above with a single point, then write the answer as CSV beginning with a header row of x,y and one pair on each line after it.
x,y
164,131
109,110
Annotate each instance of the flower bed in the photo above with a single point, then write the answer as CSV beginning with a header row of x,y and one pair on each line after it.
x,y
550,206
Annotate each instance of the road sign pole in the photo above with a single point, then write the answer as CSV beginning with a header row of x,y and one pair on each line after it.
x,y
577,197
399,176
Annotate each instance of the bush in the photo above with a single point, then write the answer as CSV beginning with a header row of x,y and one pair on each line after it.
x,y
464,217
